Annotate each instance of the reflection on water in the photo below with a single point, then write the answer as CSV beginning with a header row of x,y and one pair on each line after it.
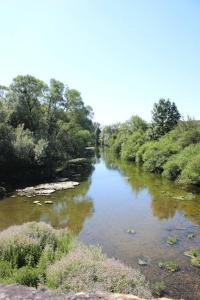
x,y
163,192
115,197
69,209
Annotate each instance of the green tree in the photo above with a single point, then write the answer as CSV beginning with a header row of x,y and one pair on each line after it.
x,y
25,96
77,111
42,126
165,117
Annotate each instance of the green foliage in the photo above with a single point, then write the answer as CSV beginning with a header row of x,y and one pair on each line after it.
x,y
139,158
165,117
6,269
159,288
24,245
195,261
132,145
175,154
193,252
27,276
170,266
184,166
87,269
191,173
42,126
35,253
125,139
172,240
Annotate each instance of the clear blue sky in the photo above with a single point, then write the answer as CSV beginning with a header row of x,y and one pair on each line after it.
x,y
123,55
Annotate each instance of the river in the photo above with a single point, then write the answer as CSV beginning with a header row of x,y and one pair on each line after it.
x,y
118,196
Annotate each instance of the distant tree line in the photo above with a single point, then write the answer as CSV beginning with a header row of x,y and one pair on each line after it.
x,y
168,145
42,126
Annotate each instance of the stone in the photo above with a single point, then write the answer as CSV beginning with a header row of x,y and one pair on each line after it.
x,y
131,231
16,292
143,260
46,188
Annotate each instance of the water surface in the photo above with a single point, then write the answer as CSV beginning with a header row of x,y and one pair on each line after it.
x,y
118,196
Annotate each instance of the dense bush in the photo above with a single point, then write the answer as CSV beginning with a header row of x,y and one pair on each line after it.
x,y
24,245
178,166
42,126
157,153
191,173
27,276
86,268
35,253
5,269
132,145
172,152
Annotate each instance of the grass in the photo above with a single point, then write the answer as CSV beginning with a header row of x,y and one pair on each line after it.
x,y
36,254
170,266
194,254
159,288
195,261
172,240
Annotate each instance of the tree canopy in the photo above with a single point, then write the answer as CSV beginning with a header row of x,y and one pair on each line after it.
x,y
42,125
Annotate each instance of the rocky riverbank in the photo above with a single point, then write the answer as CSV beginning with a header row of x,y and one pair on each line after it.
x,y
18,292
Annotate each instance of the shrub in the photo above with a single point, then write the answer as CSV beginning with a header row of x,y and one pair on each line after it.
x,y
87,269
159,288
35,253
27,276
159,152
170,266
5,269
47,257
178,165
155,157
191,172
132,145
23,245
172,240
139,158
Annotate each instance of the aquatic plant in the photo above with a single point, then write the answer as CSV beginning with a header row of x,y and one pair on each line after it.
x,y
159,288
190,236
195,261
170,265
172,240
193,252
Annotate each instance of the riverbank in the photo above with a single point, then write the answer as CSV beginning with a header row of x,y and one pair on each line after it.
x,y
174,154
15,291
35,254
73,170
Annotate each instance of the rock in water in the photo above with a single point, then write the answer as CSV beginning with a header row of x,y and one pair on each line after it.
x,y
144,261
46,188
131,231
48,202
